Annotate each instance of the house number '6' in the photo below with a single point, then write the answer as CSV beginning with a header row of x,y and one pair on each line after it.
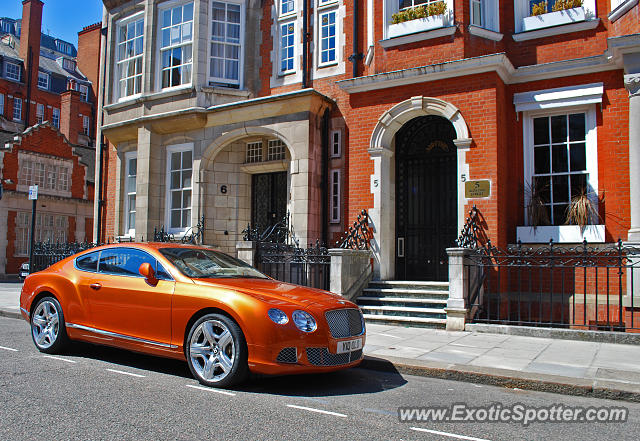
x,y
223,189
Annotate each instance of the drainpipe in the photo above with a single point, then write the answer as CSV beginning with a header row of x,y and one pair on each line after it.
x,y
305,43
325,177
100,139
355,56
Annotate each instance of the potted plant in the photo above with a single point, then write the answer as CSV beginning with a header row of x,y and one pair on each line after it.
x,y
562,12
418,19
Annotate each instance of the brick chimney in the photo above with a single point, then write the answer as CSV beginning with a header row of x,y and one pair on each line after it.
x,y
30,44
70,123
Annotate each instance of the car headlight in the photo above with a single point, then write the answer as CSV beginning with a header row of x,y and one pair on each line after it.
x,y
304,321
277,316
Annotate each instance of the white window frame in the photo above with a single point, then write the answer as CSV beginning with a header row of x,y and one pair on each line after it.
x,y
119,64
336,143
326,7
43,80
591,141
13,74
86,125
1,104
174,149
39,113
281,12
295,56
335,186
84,92
182,44
223,81
253,147
129,229
55,117
17,105
409,35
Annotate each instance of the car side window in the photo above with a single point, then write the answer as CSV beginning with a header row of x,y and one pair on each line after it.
x,y
161,273
124,261
88,262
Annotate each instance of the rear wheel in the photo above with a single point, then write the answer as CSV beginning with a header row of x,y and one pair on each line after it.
x,y
217,351
47,326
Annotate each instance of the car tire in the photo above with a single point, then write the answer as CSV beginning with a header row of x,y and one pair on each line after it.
x,y
216,351
48,329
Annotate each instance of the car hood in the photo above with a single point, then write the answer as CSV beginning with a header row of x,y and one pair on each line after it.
x,y
279,293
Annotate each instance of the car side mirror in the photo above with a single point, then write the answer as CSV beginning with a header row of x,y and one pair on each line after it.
x,y
146,271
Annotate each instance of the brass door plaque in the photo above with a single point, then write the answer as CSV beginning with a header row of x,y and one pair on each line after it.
x,y
477,189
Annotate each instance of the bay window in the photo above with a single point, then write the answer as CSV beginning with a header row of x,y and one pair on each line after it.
x,y
179,169
129,56
227,38
176,48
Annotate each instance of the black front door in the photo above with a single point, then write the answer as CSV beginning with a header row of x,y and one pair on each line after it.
x,y
426,198
269,199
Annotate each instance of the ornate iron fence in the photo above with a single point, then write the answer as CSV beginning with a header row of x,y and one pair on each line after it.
x,y
581,287
291,264
194,235
46,254
358,236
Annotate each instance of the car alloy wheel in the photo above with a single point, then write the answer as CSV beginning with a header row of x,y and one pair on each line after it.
x,y
216,351
47,325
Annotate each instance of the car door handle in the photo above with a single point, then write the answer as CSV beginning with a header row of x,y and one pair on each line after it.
x,y
95,286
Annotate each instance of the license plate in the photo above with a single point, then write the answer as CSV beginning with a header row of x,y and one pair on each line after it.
x,y
349,346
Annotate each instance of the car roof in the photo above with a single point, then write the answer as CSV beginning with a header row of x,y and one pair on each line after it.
x,y
152,245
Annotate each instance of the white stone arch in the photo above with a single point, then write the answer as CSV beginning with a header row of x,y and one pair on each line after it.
x,y
211,151
381,151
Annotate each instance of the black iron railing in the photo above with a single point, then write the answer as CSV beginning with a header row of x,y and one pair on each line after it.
x,y
281,232
194,235
46,254
288,263
583,287
358,236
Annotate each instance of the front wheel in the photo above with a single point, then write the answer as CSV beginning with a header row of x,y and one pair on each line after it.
x,y
216,351
47,326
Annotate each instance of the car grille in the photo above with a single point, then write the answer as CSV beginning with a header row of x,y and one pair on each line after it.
x,y
322,357
345,322
287,355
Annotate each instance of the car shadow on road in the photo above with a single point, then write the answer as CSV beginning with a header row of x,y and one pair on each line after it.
x,y
352,381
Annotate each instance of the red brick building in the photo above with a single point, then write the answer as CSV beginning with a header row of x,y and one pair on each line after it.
x,y
402,118
47,135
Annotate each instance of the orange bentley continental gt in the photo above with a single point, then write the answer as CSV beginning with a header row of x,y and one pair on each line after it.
x,y
188,302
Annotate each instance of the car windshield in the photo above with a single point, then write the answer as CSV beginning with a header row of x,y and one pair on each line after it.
x,y
203,263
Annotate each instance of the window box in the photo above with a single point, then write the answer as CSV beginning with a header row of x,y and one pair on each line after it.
x,y
561,234
417,25
557,18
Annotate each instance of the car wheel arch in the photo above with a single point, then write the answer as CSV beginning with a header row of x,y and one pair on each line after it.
x,y
210,310
41,294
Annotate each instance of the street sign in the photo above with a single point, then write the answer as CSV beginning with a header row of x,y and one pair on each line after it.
x,y
477,189
33,192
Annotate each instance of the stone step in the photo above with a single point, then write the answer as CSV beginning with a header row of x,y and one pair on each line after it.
x,y
409,285
420,322
402,301
402,292
411,312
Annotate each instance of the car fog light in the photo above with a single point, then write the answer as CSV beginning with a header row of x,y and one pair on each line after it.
x,y
278,316
304,321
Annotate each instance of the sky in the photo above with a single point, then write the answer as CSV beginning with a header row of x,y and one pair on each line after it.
x,y
61,18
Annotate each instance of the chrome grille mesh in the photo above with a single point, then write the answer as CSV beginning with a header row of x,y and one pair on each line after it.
x,y
287,355
322,357
344,322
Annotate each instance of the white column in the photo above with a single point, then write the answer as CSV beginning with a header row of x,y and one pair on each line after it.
x,y
382,215
458,290
632,83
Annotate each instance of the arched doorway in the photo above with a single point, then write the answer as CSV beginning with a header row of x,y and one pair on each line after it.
x,y
426,198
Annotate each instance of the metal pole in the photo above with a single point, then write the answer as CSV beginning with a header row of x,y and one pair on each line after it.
x,y
32,234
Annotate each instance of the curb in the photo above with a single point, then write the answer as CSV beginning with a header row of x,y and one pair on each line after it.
x,y
10,313
506,378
